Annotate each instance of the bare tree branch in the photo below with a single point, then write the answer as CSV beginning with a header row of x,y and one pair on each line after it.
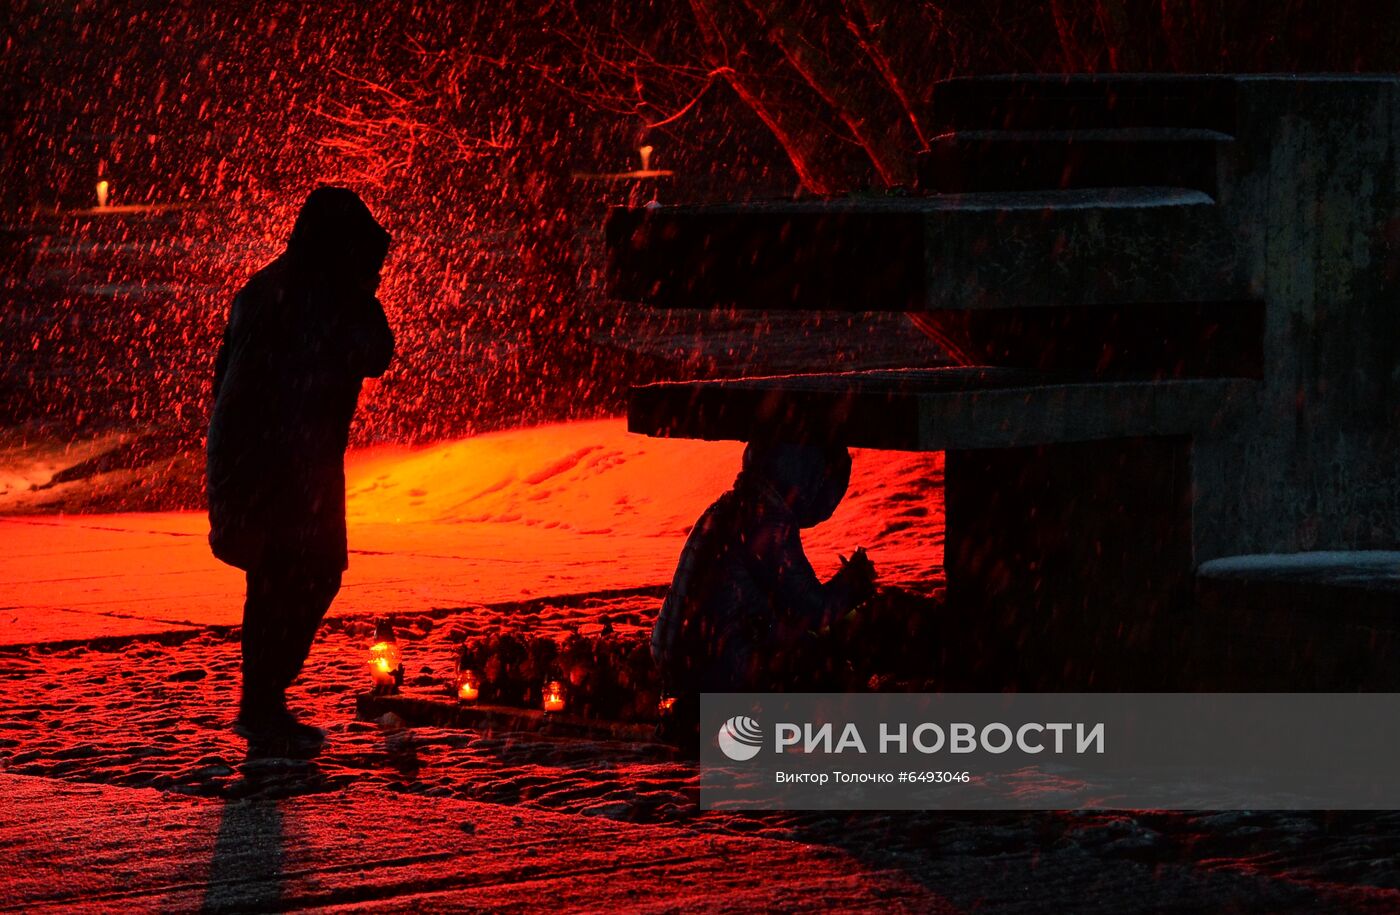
x,y
860,102
806,147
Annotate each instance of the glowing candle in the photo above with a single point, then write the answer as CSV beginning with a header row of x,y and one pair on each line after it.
x,y
468,686
102,190
645,152
554,696
384,662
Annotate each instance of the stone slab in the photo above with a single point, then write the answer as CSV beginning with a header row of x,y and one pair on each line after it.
x,y
1321,620
421,709
1359,586
1029,101
1101,246
966,161
933,409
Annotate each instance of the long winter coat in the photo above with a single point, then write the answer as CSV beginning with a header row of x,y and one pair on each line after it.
x,y
302,335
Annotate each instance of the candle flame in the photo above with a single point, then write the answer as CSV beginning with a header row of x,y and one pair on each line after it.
x,y
384,660
645,152
102,190
554,697
468,686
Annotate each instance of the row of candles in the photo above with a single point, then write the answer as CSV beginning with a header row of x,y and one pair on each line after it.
x,y
467,686
104,187
386,674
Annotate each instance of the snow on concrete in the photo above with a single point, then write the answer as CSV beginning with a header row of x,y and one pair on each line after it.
x,y
88,848
1328,563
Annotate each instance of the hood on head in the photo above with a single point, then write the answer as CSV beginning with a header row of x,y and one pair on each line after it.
x,y
810,479
335,229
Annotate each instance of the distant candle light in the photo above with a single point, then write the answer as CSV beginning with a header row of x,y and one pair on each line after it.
x,y
102,191
468,686
645,172
554,696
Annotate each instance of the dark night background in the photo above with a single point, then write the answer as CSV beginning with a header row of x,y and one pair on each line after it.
x,y
488,138
466,127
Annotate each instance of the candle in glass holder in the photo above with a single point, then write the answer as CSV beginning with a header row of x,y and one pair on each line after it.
x,y
384,662
468,686
554,696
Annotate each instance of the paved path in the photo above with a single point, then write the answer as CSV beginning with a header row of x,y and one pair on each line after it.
x,y
91,848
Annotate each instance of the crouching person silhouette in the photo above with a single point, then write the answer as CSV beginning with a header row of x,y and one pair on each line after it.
x,y
302,335
744,598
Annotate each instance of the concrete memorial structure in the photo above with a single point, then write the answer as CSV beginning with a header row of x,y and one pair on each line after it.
x,y
1177,296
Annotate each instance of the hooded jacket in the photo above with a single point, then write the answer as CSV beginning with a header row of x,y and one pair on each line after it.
x,y
302,335
743,591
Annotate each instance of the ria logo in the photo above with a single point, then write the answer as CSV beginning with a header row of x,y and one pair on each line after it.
x,y
740,738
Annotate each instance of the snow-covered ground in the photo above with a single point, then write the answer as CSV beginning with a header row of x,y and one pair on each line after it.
x,y
125,786
574,508
176,816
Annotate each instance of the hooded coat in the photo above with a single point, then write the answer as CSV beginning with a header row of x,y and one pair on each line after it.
x,y
302,335
744,592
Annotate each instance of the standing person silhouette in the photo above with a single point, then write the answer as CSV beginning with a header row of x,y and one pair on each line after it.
x,y
302,335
